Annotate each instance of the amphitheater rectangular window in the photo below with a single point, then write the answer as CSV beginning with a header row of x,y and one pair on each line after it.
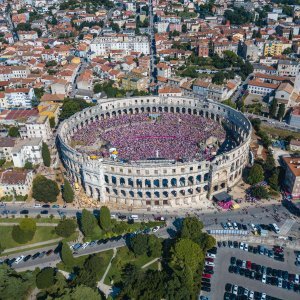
x,y
147,172
129,171
121,170
182,170
155,172
138,172
174,171
165,171
199,167
148,202
191,168
112,169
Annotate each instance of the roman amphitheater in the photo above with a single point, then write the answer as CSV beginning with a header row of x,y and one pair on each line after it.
x,y
155,151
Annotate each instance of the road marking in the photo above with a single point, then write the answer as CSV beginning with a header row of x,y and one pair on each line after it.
x,y
287,225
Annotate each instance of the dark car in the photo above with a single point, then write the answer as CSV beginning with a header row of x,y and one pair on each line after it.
x,y
27,257
213,250
231,269
284,284
206,279
230,244
42,254
233,260
239,262
208,284
268,280
46,206
269,271
36,255
250,248
44,212
209,271
285,275
274,273
122,217
242,272
219,244
24,212
206,289
228,287
224,243
244,227
49,252
235,244
255,250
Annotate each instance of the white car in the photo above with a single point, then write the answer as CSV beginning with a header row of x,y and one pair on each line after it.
x,y
19,259
235,290
229,225
242,246
246,247
209,263
37,205
84,245
264,278
246,292
253,227
112,216
251,295
156,228
235,226
280,282
263,296
244,264
211,255
296,278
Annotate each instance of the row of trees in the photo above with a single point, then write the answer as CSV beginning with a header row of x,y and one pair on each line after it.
x,y
275,111
46,190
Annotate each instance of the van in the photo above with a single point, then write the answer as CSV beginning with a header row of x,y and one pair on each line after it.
x,y
134,217
275,228
76,185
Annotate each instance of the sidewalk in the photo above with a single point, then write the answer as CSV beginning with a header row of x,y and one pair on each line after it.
x,y
31,245
150,263
37,224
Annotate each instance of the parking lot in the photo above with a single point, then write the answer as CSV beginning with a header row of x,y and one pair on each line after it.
x,y
222,276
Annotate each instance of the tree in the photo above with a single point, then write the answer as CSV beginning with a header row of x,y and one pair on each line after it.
x,y
46,155
154,246
52,122
104,218
274,181
66,255
24,232
273,108
184,28
207,241
218,78
28,165
13,131
138,244
72,106
256,174
88,222
65,228
281,111
83,292
39,92
45,190
270,165
259,192
15,285
186,253
191,229
45,278
256,123
67,193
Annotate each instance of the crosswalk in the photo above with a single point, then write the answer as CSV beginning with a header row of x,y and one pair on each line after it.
x,y
287,225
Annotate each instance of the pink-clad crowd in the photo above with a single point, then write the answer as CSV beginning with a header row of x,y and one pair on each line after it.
x,y
137,137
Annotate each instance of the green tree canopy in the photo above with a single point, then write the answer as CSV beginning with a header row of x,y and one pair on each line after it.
x,y
45,278
191,229
24,232
2,248
138,244
72,106
44,190
52,122
67,193
65,228
13,131
281,111
46,155
66,255
186,254
28,224
88,222
104,218
273,108
256,174
259,192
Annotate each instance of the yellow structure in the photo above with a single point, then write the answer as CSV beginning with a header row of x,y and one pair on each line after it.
x,y
49,110
273,48
134,82
76,60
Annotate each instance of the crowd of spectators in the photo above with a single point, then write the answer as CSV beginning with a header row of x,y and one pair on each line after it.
x,y
142,136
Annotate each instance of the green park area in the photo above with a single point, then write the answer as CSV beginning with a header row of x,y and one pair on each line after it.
x,y
42,234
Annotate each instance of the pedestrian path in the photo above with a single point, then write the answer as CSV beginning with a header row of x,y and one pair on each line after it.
x,y
150,263
37,224
287,226
31,245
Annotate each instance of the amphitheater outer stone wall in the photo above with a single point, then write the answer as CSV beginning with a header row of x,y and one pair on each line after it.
x,y
156,183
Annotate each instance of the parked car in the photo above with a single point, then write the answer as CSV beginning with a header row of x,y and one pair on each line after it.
x,y
242,246
37,205
42,254
19,259
85,245
24,212
46,206
211,255
49,252
206,275
36,255
156,228
27,257
264,278
44,212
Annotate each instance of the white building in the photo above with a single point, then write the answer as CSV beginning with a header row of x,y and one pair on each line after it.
x,y
287,68
261,88
20,97
15,182
9,72
27,150
6,146
103,45
37,127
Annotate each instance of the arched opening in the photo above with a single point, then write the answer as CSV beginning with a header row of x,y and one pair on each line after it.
x,y
122,181
106,179
139,183
216,188
198,178
206,176
165,182
148,194
113,180
148,183
130,182
131,194
174,182
182,181
191,180
156,182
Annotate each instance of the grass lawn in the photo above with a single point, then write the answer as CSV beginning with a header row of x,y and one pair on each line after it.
x,y
42,234
123,257
40,220
106,256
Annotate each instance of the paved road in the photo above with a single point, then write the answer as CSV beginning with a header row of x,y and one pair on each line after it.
x,y
239,92
222,276
153,70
